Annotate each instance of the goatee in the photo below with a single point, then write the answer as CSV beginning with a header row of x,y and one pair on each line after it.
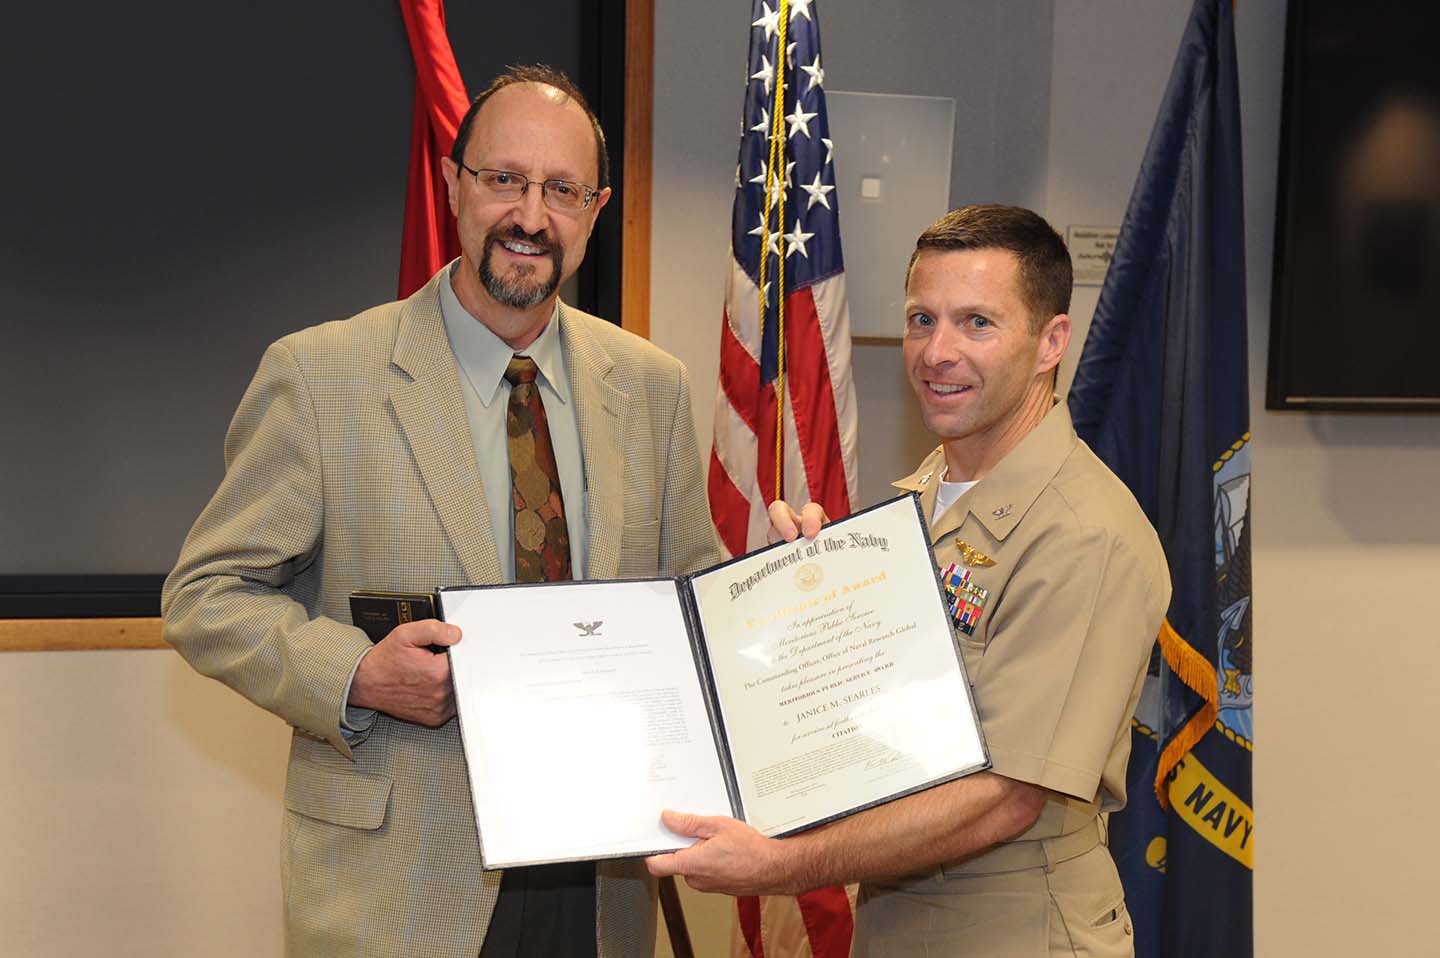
x,y
518,291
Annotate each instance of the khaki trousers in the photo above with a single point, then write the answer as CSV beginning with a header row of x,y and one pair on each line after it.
x,y
1073,906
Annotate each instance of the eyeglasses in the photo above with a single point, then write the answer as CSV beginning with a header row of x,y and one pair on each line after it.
x,y
562,196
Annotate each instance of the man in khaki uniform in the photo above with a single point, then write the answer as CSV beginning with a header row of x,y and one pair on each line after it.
x,y
372,454
1071,587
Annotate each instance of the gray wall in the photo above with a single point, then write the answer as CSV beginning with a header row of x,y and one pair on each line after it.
x,y
992,58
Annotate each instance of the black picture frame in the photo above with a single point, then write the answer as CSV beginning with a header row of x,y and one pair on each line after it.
x,y
1355,297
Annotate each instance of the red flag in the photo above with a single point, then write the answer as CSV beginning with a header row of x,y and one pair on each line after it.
x,y
785,368
429,240
817,924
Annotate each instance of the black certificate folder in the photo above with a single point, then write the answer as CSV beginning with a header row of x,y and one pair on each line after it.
x,y
789,687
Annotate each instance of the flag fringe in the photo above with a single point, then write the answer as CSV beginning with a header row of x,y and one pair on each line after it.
x,y
1198,673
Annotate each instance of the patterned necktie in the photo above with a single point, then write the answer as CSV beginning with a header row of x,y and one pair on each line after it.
x,y
542,542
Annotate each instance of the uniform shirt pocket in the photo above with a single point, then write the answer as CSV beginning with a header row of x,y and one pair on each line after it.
x,y
972,650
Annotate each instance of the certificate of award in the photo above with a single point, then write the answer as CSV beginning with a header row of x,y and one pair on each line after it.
x,y
787,688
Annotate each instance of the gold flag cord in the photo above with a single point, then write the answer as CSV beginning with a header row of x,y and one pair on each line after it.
x,y
1198,673
775,180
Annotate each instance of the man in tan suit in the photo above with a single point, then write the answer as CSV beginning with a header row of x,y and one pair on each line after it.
x,y
372,454
1072,586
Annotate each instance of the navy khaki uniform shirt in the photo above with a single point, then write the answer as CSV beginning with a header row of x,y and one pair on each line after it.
x,y
1076,589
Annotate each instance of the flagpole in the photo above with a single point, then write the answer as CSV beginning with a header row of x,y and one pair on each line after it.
x,y
775,182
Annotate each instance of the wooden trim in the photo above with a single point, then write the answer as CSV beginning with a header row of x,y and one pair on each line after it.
x,y
875,340
79,635
635,191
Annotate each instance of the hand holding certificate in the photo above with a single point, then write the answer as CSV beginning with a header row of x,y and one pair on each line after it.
x,y
582,716
836,671
786,688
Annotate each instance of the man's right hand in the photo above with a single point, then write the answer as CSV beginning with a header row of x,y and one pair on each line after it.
x,y
786,523
401,677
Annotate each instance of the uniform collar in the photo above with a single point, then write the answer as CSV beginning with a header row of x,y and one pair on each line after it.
x,y
1001,499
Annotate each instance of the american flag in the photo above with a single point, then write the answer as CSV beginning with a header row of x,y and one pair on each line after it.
x,y
784,238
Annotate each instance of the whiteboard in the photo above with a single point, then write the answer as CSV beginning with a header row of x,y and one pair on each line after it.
x,y
892,175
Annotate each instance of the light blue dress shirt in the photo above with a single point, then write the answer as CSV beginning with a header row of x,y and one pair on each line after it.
x,y
482,357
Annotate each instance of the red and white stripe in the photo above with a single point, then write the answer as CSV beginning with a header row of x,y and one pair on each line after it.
x,y
820,417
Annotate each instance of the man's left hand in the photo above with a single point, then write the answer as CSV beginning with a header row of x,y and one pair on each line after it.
x,y
729,857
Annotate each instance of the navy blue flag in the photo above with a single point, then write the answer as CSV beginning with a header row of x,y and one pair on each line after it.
x,y
1161,395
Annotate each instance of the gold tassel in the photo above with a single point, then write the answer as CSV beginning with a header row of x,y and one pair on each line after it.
x,y
1199,674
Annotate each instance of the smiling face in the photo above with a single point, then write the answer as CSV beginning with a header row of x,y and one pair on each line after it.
x,y
978,366
515,253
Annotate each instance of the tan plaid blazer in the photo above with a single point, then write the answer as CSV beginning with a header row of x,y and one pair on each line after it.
x,y
349,465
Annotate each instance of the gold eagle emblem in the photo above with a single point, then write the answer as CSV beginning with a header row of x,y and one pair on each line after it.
x,y
972,556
